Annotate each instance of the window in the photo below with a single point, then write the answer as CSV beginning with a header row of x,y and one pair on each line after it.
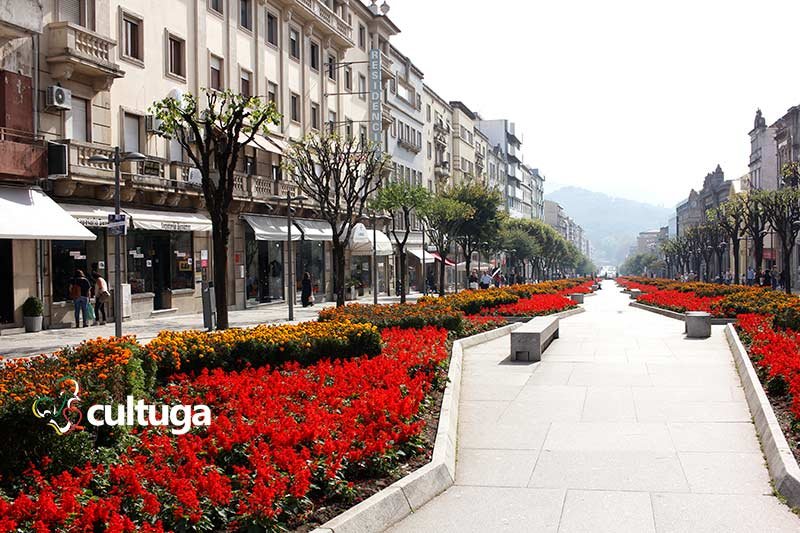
x,y
132,132
394,127
77,120
244,86
314,60
362,134
332,121
80,12
216,5
67,256
362,86
176,64
272,29
250,165
362,37
272,93
215,73
348,128
348,78
430,150
332,67
315,116
428,111
295,108
294,43
132,37
246,14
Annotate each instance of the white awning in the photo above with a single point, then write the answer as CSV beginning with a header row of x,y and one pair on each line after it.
x,y
270,228
168,220
419,254
361,241
91,216
262,143
28,213
314,230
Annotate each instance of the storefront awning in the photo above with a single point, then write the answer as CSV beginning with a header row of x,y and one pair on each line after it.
x,y
361,242
91,216
270,228
447,262
314,230
419,254
28,213
167,220
262,143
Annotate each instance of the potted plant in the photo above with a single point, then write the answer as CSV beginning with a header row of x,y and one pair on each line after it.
x,y
32,314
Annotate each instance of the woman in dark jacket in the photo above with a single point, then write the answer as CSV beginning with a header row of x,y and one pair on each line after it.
x,y
305,291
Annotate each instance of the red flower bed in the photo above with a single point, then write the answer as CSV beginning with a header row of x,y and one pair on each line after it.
x,y
628,284
679,301
539,304
277,438
775,352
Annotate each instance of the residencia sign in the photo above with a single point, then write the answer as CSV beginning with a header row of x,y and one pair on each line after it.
x,y
375,100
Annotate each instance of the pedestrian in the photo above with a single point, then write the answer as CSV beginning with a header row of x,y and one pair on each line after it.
x,y
728,277
79,290
486,280
775,276
751,276
305,291
101,296
766,280
473,280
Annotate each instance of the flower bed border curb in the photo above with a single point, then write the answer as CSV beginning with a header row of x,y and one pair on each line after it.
x,y
715,321
783,468
408,494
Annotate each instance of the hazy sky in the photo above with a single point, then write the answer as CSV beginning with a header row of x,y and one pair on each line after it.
x,y
636,98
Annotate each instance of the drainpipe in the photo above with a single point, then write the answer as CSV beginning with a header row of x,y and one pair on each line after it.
x,y
35,100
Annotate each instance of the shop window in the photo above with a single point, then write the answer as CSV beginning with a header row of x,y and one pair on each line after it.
x,y
159,261
67,256
264,269
310,258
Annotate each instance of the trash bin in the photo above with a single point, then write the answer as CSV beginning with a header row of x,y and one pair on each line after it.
x,y
209,306
698,324
576,297
635,293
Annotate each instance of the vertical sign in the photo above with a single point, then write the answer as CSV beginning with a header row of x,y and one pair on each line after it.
x,y
375,100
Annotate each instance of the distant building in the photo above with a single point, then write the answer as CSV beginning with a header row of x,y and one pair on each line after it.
x,y
716,189
763,156
647,241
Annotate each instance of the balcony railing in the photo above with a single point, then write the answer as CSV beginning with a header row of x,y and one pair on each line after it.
x,y
409,145
23,155
441,169
335,25
72,49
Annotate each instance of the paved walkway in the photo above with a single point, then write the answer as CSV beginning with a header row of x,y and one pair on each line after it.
x,y
625,426
145,329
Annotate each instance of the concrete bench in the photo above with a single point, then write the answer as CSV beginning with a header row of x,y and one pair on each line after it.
x,y
532,338
576,297
635,293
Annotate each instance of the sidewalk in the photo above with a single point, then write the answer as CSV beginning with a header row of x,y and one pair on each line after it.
x,y
625,426
145,329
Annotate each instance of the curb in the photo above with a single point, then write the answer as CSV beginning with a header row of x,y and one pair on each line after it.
x,y
715,321
783,469
407,495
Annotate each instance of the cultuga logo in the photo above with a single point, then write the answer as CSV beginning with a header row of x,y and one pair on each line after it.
x,y
64,416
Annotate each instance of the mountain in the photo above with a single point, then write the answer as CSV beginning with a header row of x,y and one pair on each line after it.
x,y
610,223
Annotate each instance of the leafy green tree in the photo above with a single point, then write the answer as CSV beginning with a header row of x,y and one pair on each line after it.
x,y
339,175
484,224
638,264
212,135
444,218
400,200
782,209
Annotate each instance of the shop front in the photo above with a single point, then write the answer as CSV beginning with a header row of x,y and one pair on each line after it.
x,y
420,268
167,255
365,242
312,255
264,242
29,219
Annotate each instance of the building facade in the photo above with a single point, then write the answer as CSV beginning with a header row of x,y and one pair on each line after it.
x,y
763,163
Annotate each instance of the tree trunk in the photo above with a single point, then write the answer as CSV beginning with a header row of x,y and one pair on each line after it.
x,y
404,274
338,272
787,268
441,275
719,267
467,263
758,251
219,244
735,245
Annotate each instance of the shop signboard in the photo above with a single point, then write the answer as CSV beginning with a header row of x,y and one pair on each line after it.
x,y
375,99
117,224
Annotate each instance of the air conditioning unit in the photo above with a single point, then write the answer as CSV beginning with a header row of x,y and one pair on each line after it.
x,y
57,160
152,124
58,98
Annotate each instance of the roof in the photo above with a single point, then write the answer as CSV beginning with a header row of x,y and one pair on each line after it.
x,y
460,105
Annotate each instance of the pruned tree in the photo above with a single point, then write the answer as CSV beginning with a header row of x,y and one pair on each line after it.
x,y
782,209
729,216
755,223
444,218
400,199
212,134
484,224
339,175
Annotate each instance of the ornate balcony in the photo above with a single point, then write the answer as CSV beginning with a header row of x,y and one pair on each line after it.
x,y
409,145
73,52
442,169
333,26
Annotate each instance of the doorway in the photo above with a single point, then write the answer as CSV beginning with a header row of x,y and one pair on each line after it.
x,y
161,268
6,283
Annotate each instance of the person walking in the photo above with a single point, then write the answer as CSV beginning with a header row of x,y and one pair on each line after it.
x,y
101,296
766,280
79,291
486,280
305,290
775,277
473,280
751,276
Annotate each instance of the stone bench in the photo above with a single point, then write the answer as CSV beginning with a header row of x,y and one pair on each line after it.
x,y
576,297
532,338
635,293
697,324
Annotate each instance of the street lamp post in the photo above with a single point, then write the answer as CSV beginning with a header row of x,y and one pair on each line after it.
x,y
424,275
373,217
291,285
116,160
